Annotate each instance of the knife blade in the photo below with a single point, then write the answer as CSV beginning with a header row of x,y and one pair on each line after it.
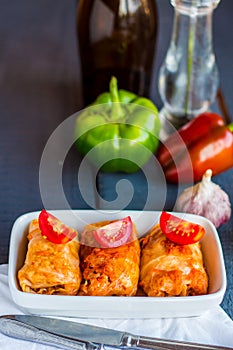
x,y
12,327
90,337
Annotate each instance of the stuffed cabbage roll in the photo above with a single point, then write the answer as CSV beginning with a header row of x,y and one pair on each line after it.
x,y
50,268
169,269
108,271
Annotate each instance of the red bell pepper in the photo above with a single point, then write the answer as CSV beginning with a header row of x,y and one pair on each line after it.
x,y
203,143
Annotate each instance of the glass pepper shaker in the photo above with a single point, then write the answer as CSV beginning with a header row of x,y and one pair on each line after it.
x,y
188,77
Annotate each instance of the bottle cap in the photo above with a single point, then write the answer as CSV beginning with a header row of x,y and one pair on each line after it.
x,y
195,6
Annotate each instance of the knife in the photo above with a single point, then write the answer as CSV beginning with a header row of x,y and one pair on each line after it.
x,y
72,335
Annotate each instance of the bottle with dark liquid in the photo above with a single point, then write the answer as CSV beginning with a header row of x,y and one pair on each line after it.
x,y
116,37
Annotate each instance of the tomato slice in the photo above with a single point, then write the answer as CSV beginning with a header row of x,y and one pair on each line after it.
x,y
114,234
180,231
55,230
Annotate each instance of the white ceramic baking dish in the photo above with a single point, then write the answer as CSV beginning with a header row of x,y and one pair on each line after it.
x,y
115,306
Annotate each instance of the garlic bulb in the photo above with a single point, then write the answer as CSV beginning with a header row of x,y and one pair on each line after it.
x,y
206,199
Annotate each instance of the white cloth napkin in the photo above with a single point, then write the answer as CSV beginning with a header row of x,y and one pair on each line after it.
x,y
213,327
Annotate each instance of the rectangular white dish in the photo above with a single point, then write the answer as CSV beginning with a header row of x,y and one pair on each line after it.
x,y
117,307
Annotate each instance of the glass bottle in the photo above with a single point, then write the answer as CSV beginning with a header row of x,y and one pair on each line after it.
x,y
116,37
188,77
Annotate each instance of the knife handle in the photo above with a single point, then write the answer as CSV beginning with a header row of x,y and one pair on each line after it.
x,y
20,330
162,344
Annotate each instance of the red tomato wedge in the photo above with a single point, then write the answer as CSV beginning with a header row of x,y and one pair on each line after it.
x,y
114,234
180,231
55,230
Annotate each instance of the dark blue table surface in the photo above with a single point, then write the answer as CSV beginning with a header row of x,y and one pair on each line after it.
x,y
40,86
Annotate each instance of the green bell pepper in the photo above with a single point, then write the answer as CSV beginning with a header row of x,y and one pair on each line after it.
x,y
119,131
